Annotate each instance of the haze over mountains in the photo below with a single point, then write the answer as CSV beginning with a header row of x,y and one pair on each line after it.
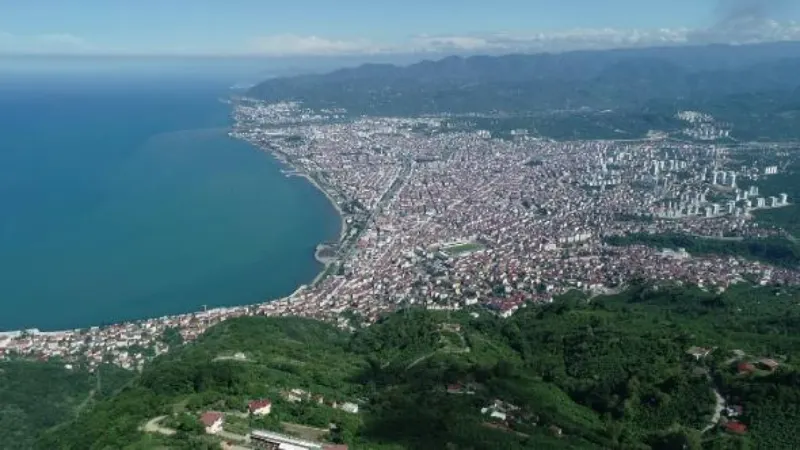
x,y
515,83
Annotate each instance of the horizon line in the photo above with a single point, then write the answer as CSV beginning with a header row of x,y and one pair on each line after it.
x,y
438,54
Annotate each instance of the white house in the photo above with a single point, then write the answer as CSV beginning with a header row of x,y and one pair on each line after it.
x,y
351,408
260,407
212,421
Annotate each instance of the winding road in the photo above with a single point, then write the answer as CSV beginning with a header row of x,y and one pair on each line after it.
x,y
720,404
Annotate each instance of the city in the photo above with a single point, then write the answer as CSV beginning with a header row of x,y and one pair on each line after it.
x,y
445,219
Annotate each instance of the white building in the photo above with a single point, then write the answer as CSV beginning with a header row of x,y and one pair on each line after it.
x,y
260,407
212,421
268,439
348,407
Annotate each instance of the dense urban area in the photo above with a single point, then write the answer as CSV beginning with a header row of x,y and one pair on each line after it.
x,y
468,226
447,219
492,287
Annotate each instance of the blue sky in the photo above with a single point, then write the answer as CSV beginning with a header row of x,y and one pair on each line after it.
x,y
366,26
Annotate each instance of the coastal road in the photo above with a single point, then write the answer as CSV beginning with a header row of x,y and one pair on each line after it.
x,y
346,251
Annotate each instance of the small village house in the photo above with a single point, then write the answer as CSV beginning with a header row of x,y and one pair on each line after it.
x,y
260,407
212,421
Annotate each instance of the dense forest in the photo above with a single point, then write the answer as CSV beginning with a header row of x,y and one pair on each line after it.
x,y
612,372
36,396
777,251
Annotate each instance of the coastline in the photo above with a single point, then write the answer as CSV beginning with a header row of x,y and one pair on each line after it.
x,y
326,265
342,218
297,172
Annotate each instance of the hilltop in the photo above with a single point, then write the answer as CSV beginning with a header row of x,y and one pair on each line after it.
x,y
638,370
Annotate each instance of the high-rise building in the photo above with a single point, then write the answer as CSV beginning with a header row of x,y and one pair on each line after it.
x,y
784,199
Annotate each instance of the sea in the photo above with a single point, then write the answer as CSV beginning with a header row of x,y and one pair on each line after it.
x,y
123,198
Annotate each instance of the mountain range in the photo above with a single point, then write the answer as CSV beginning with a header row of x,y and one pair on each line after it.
x,y
628,79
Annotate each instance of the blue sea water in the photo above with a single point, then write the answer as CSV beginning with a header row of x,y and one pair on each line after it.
x,y
125,199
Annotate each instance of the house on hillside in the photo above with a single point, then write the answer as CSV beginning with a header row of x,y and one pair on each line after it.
x,y
348,407
295,395
268,440
499,410
735,427
455,388
212,421
768,364
260,407
745,368
698,352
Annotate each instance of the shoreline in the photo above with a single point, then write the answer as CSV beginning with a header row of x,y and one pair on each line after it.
x,y
342,218
295,172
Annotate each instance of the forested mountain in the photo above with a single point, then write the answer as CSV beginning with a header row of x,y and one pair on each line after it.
x,y
36,396
753,87
637,370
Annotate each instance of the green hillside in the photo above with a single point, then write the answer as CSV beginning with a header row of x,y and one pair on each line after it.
x,y
612,372
36,396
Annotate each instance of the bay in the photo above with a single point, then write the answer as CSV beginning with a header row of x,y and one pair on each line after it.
x,y
125,199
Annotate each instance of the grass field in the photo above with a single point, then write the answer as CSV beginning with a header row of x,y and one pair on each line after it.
x,y
304,432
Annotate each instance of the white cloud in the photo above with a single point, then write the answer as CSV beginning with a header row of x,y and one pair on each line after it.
x,y
43,43
741,31
289,44
563,40
746,30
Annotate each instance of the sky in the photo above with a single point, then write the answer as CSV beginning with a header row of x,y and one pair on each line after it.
x,y
354,27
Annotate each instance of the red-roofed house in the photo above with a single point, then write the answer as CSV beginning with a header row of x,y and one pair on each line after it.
x,y
736,427
213,421
455,388
745,367
260,407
